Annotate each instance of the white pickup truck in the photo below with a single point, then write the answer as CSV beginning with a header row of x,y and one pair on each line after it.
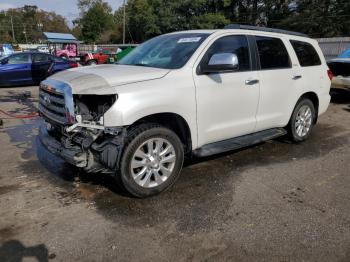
x,y
192,93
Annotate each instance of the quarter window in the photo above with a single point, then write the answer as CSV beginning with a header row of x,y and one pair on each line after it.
x,y
306,53
272,53
237,44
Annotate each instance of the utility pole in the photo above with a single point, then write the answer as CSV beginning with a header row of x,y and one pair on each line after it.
x,y
13,32
25,33
124,21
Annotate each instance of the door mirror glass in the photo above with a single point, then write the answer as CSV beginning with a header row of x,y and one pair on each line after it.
x,y
222,62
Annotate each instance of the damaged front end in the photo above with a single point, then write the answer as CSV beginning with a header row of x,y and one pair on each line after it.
x,y
75,128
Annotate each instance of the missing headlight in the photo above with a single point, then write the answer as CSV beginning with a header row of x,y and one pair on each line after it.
x,y
93,107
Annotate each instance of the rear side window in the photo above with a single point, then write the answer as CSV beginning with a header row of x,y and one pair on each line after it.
x,y
272,53
306,53
39,58
237,44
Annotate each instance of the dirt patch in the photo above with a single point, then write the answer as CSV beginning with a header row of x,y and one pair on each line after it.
x,y
8,189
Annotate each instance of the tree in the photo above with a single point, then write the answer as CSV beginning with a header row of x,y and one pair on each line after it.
x,y
97,19
148,18
28,23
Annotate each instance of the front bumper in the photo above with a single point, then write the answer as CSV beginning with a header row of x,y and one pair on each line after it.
x,y
73,155
101,153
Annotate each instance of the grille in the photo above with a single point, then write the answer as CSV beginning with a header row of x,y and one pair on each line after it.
x,y
52,105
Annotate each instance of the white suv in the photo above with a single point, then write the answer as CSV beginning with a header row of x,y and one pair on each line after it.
x,y
182,94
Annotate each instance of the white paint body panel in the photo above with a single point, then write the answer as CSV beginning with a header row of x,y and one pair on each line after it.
x,y
216,107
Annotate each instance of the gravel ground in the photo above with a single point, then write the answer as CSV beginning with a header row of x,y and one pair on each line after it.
x,y
272,202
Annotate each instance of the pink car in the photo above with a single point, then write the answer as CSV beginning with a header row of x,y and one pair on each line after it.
x,y
68,51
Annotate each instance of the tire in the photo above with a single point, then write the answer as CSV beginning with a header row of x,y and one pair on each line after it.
x,y
153,172
91,62
302,120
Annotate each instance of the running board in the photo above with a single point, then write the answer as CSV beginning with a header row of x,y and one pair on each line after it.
x,y
239,142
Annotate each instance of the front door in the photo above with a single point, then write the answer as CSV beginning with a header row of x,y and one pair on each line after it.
x,y
227,102
15,69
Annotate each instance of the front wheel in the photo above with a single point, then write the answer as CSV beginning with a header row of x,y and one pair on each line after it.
x,y
302,120
152,160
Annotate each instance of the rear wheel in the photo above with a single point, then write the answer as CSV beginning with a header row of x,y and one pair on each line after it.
x,y
302,120
152,160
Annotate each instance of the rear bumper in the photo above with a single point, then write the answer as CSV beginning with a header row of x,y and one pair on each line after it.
x,y
73,155
324,102
340,81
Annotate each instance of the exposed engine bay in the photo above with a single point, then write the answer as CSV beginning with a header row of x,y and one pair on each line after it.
x,y
86,142
92,107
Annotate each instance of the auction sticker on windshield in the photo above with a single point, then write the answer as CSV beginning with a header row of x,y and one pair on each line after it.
x,y
189,40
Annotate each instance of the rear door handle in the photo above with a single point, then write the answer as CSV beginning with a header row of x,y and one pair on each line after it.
x,y
251,82
297,77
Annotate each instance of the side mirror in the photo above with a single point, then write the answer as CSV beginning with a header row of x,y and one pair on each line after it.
x,y
221,62
4,61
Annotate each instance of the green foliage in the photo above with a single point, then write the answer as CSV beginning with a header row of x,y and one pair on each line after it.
x,y
95,21
326,18
148,18
28,23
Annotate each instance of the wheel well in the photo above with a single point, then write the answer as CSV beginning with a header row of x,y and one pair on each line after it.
x,y
174,122
314,99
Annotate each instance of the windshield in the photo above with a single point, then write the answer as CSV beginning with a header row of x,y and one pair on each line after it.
x,y
166,51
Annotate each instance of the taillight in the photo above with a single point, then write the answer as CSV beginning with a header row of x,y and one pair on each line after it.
x,y
330,74
73,64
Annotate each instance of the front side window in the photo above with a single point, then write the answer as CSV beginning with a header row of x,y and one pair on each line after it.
x,y
18,59
306,53
272,53
166,51
235,44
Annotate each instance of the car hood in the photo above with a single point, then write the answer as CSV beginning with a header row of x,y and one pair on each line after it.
x,y
105,79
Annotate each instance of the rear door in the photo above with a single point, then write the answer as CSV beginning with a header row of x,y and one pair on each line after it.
x,y
41,63
280,82
16,69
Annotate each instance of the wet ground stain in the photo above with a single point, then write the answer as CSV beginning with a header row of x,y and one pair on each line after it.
x,y
24,99
198,201
22,135
7,189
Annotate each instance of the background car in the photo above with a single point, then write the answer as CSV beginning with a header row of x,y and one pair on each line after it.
x,y
43,49
30,68
340,68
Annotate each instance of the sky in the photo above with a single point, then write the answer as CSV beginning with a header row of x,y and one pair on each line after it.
x,y
66,8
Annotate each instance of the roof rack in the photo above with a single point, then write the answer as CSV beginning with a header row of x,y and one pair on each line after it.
x,y
265,29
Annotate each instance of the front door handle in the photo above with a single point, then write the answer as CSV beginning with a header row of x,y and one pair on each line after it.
x,y
297,77
251,82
